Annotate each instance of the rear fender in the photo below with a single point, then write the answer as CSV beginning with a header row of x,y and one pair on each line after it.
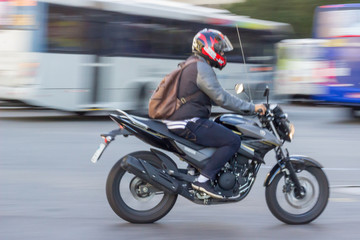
x,y
115,132
299,162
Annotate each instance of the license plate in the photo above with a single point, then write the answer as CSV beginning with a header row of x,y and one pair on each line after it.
x,y
98,152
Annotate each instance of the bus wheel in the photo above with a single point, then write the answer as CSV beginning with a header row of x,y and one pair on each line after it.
x,y
80,113
355,112
143,95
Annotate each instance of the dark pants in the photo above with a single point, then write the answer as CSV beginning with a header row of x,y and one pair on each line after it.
x,y
210,134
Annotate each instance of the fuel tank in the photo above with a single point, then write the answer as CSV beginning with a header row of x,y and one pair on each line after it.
x,y
247,128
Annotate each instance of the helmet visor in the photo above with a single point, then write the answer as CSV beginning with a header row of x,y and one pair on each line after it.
x,y
223,46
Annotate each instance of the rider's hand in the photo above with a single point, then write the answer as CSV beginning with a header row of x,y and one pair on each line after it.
x,y
260,108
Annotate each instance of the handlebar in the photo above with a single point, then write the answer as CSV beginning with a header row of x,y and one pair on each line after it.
x,y
260,111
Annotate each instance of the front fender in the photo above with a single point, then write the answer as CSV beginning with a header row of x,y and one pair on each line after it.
x,y
299,162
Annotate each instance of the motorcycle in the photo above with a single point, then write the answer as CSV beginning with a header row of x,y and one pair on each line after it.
x,y
143,186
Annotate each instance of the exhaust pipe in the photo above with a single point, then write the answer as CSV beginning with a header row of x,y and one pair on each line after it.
x,y
159,178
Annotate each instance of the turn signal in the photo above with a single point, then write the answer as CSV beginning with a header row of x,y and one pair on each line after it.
x,y
292,131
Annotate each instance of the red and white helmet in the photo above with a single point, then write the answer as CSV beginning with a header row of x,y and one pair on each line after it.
x,y
211,44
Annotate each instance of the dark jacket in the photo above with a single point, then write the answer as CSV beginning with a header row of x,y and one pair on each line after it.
x,y
200,76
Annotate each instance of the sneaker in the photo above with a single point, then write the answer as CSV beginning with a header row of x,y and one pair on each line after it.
x,y
191,171
206,187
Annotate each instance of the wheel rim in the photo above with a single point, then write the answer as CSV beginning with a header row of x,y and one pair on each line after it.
x,y
141,190
305,201
139,195
290,203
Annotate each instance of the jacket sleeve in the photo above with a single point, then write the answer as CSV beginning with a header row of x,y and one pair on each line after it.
x,y
208,83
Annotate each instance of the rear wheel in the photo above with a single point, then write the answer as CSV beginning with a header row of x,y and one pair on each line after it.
x,y
288,207
135,200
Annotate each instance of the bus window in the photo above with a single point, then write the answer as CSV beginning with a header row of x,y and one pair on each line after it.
x,y
130,35
73,30
257,48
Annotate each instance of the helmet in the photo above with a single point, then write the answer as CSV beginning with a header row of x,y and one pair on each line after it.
x,y
211,44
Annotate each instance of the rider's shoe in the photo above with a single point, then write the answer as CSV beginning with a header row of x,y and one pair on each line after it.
x,y
206,187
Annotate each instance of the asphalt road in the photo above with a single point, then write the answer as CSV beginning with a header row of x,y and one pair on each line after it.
x,y
49,189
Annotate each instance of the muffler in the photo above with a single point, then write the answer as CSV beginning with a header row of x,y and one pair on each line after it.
x,y
159,178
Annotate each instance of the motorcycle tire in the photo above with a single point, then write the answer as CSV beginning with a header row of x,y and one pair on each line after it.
x,y
284,205
128,211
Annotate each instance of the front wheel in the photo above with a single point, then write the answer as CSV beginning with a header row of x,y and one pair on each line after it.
x,y
288,207
135,200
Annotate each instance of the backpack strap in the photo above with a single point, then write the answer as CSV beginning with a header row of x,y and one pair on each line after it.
x,y
183,65
184,100
181,101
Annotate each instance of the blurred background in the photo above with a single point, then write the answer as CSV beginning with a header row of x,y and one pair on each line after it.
x,y
82,56
66,63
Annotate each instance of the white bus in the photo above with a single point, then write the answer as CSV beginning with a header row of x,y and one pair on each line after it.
x,y
83,55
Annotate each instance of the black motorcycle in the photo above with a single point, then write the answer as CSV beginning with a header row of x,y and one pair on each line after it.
x,y
142,187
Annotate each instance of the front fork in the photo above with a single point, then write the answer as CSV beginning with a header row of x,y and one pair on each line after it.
x,y
290,173
287,168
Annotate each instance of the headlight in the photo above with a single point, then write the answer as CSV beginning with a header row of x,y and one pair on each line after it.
x,y
285,129
283,126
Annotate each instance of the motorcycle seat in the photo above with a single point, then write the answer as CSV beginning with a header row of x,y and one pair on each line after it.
x,y
160,127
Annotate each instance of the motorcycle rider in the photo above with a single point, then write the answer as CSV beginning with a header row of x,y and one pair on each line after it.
x,y
191,120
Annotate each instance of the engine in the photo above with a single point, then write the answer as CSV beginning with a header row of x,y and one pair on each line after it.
x,y
233,174
227,180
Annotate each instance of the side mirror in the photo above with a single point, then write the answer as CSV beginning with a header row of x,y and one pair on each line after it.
x,y
266,92
239,88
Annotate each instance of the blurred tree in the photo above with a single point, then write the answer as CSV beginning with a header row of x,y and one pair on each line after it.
x,y
298,13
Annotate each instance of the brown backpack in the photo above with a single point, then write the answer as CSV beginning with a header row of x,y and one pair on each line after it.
x,y
164,101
